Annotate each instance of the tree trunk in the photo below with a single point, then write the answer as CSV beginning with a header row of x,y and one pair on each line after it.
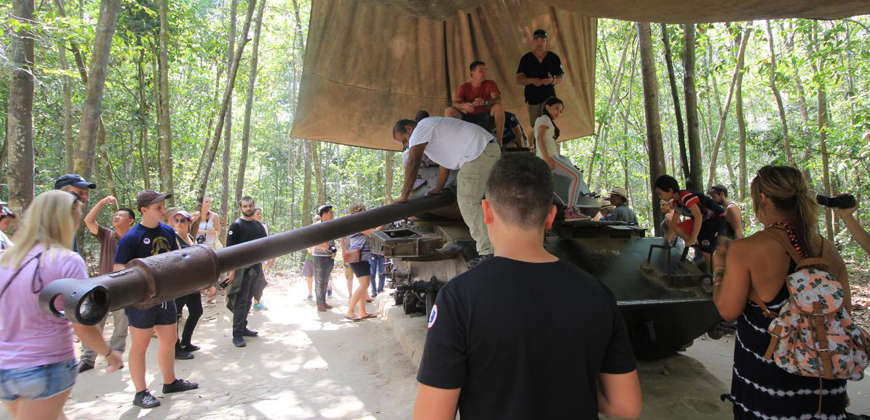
x,y
318,174
222,113
107,163
307,211
19,137
651,110
744,40
93,104
388,174
206,147
819,70
779,104
799,86
143,118
228,134
681,132
249,104
741,126
165,126
691,97
614,92
625,150
69,144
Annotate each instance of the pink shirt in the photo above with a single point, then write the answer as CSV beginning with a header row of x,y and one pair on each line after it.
x,y
28,336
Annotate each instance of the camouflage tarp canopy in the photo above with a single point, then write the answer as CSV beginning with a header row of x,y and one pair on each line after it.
x,y
369,63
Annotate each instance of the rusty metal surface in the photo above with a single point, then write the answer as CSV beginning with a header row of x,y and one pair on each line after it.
x,y
156,279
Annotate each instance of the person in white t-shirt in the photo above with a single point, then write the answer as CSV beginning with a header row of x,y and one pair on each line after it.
x,y
569,186
454,145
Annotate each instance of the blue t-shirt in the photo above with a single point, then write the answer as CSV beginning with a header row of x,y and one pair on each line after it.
x,y
142,242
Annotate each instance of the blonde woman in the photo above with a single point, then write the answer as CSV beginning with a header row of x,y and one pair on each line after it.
x,y
757,266
36,349
209,229
360,243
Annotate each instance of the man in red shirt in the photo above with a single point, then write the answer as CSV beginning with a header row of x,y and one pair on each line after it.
x,y
479,102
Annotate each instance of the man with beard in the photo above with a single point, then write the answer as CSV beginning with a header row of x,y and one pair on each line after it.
x,y
734,224
244,280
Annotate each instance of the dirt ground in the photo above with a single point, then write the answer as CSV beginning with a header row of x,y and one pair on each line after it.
x,y
304,365
307,365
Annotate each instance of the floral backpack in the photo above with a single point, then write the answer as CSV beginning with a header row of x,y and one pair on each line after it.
x,y
813,334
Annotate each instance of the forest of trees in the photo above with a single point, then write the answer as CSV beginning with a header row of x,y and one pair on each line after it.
x,y
198,97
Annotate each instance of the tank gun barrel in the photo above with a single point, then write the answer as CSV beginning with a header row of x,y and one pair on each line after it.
x,y
148,281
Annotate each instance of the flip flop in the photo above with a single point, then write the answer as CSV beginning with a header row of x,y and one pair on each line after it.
x,y
352,319
368,316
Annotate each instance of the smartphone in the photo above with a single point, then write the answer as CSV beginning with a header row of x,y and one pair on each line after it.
x,y
842,202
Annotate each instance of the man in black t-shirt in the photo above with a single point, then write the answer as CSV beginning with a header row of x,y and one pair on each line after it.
x,y
149,238
243,280
539,71
494,354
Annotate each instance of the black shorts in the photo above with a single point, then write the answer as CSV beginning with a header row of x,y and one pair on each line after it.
x,y
711,230
162,314
361,269
485,121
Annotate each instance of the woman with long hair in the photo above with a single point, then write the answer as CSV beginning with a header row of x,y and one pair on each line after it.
x,y
757,266
209,229
569,187
37,360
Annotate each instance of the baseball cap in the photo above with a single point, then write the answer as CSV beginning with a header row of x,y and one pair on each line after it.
x,y
185,214
148,197
540,33
75,180
323,209
6,212
619,191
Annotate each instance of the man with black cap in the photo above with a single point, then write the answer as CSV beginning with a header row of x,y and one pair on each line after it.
x,y
621,212
77,185
323,259
148,238
539,71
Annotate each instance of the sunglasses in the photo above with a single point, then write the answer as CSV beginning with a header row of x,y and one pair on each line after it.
x,y
180,220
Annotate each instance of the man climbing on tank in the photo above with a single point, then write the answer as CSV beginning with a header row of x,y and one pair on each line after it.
x,y
454,145
479,102
706,221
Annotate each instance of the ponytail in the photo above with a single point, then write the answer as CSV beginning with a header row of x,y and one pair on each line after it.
x,y
787,189
550,102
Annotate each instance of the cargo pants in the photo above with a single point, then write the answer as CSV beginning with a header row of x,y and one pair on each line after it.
x,y
470,189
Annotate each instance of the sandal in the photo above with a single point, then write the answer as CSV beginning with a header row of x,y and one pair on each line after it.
x,y
353,319
368,316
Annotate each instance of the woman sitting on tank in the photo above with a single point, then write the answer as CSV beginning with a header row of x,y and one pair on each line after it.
x,y
758,266
566,176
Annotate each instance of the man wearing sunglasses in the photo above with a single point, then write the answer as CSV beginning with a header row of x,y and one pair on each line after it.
x,y
122,220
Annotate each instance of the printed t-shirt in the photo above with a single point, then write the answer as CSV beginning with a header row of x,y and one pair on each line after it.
x,y
451,143
28,336
548,140
319,252
108,239
686,199
143,242
468,93
532,68
541,361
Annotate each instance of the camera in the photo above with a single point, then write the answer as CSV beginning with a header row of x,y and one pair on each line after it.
x,y
333,249
842,202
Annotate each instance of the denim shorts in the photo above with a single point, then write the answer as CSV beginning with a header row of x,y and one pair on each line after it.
x,y
39,382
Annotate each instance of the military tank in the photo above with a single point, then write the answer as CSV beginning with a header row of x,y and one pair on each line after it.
x,y
665,299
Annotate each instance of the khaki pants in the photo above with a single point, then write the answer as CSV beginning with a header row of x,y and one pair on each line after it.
x,y
470,189
119,335
535,111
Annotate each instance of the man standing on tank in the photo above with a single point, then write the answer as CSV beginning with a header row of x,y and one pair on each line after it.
x,y
244,280
539,71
